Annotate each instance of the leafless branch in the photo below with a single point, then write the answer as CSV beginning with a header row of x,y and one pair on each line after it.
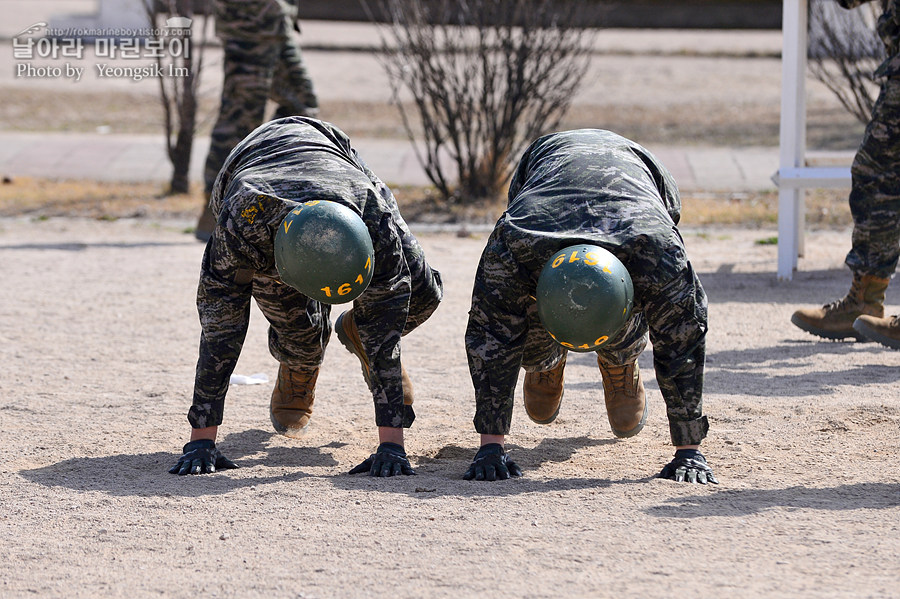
x,y
179,87
844,52
486,77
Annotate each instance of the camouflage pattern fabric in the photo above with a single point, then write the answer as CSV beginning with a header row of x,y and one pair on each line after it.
x,y
262,61
589,186
888,28
875,192
283,163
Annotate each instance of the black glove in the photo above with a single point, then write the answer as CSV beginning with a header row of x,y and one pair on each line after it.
x,y
689,466
492,463
388,460
201,457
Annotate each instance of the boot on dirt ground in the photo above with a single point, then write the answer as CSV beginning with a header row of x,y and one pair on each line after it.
x,y
835,320
626,405
348,335
885,331
292,401
543,393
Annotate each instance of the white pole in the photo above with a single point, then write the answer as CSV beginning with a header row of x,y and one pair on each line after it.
x,y
792,133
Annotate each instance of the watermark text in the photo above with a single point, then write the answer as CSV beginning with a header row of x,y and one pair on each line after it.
x,y
166,48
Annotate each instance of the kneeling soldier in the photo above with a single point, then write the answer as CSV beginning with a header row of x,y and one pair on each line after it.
x,y
302,223
587,257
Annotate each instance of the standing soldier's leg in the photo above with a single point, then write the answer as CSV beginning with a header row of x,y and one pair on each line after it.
x,y
875,196
292,87
299,329
875,206
245,90
250,31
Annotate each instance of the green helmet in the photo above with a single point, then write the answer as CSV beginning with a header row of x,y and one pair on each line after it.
x,y
584,297
324,250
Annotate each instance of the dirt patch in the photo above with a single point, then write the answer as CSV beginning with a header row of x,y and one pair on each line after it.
x,y
98,341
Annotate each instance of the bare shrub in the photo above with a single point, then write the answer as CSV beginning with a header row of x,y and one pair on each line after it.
x,y
182,65
844,52
486,77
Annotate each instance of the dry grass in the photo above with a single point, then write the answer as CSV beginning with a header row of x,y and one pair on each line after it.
x,y
42,198
825,208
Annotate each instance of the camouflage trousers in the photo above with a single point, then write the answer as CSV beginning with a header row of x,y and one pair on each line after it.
x,y
262,61
300,327
542,353
875,196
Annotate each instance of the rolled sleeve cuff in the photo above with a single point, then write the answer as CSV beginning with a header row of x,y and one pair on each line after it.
x,y
205,414
491,419
395,418
688,432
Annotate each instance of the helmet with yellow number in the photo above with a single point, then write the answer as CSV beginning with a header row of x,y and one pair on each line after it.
x,y
324,250
584,297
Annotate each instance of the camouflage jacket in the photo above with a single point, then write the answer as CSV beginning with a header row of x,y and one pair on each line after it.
x,y
596,187
888,28
283,163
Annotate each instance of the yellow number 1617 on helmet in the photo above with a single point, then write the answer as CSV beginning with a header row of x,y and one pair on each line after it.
x,y
584,297
323,249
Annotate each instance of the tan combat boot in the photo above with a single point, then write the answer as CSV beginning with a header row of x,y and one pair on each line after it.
x,y
623,391
835,320
292,401
885,331
348,335
543,393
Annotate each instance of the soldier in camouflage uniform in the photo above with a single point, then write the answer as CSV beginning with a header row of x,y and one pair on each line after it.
x,y
280,165
588,187
875,206
262,61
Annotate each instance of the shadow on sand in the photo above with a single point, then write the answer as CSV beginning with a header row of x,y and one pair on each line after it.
x,y
147,474
730,503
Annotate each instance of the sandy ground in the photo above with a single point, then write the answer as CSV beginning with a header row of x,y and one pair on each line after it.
x,y
98,340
